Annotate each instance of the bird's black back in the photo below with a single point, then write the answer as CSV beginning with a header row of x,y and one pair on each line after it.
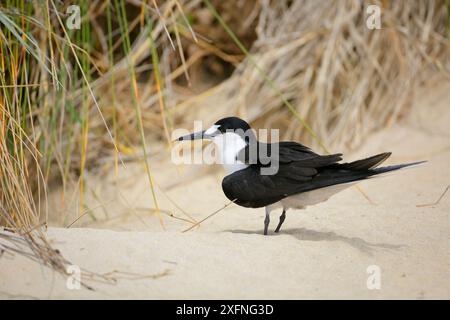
x,y
300,170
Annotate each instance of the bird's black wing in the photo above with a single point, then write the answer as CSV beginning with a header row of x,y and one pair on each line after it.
x,y
284,152
298,166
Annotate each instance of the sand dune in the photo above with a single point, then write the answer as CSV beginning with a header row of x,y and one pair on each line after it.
x,y
323,252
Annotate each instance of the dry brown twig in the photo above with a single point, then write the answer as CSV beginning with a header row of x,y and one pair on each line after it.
x,y
436,202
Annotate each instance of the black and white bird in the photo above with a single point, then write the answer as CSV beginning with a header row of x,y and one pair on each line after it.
x,y
303,177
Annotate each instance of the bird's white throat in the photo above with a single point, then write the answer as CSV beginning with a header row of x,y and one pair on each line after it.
x,y
228,146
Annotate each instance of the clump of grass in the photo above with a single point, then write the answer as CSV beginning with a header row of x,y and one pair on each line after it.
x,y
318,71
55,120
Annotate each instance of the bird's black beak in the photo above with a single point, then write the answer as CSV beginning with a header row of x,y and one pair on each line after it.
x,y
194,136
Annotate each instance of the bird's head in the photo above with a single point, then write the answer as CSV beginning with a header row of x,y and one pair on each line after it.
x,y
231,126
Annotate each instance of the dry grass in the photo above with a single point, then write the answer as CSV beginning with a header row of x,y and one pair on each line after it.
x,y
343,79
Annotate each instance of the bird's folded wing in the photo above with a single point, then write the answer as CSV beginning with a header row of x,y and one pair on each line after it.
x,y
297,167
284,152
251,189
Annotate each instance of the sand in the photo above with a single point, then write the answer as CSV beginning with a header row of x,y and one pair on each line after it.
x,y
322,252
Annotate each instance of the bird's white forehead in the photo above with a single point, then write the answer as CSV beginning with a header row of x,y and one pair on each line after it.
x,y
212,129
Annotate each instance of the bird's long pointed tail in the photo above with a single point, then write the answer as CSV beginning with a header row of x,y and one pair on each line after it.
x,y
367,163
371,164
396,167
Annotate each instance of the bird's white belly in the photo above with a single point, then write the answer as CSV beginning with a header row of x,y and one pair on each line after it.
x,y
309,198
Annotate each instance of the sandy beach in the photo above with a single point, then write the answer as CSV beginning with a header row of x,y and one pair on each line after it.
x,y
322,252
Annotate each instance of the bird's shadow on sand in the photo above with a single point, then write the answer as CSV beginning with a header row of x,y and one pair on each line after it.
x,y
303,234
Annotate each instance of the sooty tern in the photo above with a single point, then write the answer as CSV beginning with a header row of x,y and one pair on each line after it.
x,y
302,178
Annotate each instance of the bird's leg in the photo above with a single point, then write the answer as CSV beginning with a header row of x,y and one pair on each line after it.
x,y
282,217
266,221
